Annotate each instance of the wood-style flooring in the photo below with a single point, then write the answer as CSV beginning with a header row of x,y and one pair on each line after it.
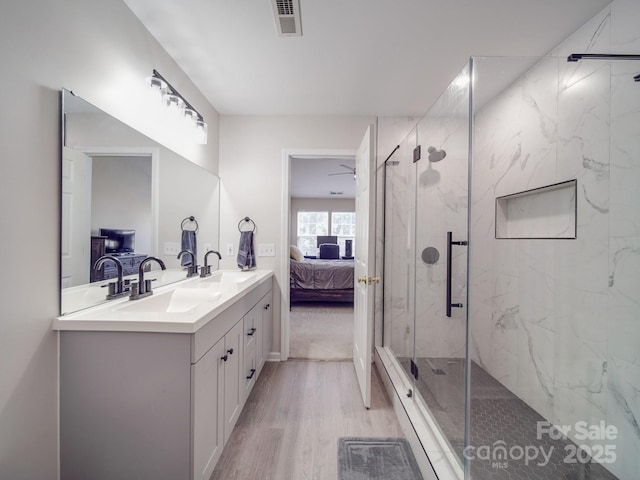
x,y
291,423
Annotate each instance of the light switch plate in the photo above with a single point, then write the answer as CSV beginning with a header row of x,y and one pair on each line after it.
x,y
230,249
266,250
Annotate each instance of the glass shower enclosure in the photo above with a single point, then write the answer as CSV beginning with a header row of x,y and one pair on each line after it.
x,y
512,270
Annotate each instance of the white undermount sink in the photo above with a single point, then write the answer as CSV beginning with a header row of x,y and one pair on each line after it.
x,y
180,300
230,277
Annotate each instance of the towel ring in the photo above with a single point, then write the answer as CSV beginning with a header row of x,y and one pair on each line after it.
x,y
189,219
246,219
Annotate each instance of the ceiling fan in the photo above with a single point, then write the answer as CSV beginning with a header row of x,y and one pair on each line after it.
x,y
352,171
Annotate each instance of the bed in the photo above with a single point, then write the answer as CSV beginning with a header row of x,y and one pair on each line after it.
x,y
318,280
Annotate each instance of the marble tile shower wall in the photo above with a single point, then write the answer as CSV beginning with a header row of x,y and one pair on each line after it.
x,y
558,321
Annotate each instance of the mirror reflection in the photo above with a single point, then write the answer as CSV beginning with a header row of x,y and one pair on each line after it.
x,y
127,197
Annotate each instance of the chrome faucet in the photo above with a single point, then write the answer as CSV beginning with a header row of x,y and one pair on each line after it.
x,y
117,289
192,270
143,287
205,270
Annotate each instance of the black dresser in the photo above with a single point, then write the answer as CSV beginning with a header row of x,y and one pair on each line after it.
x,y
130,262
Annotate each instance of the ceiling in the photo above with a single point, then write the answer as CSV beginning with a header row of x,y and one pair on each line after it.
x,y
355,57
310,177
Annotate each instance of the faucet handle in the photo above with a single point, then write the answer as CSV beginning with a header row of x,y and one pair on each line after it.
x,y
113,288
192,270
134,292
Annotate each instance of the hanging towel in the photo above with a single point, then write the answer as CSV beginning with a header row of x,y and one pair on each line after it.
x,y
246,255
188,243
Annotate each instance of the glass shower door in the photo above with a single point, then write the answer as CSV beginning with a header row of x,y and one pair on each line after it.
x,y
441,193
399,253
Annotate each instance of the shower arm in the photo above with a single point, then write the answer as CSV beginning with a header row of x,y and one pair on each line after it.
x,y
575,57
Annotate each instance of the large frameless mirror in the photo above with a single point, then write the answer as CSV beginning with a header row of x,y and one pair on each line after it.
x,y
125,195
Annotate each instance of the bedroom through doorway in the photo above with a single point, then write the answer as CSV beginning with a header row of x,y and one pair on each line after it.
x,y
321,236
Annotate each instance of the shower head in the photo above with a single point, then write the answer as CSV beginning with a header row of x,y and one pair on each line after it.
x,y
436,155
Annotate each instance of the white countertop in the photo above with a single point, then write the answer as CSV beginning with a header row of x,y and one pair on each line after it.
x,y
182,307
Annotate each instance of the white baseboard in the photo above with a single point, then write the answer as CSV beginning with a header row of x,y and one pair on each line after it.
x,y
273,357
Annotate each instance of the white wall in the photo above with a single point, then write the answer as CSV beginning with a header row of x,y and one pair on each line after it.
x,y
99,49
252,177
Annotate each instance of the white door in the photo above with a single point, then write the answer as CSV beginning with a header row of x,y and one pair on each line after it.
x,y
364,264
76,218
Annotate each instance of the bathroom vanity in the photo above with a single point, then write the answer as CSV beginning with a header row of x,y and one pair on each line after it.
x,y
151,389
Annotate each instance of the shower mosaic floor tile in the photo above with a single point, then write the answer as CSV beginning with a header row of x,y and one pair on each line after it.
x,y
498,417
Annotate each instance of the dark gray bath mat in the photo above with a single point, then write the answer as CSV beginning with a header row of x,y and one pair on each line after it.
x,y
376,459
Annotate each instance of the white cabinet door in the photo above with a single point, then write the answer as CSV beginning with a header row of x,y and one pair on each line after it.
x,y
259,338
208,433
251,322
267,329
232,360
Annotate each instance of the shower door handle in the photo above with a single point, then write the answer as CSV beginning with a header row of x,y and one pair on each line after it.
x,y
450,244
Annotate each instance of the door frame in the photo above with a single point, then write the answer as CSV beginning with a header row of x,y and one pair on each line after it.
x,y
287,154
154,154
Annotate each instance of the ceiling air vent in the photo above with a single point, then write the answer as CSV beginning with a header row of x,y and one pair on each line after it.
x,y
287,17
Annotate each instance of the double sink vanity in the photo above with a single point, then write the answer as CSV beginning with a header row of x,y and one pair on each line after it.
x,y
152,388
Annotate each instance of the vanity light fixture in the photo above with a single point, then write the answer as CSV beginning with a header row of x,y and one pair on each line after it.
x,y
176,103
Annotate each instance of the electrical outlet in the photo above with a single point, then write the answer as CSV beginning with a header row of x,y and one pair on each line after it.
x,y
171,248
230,249
266,250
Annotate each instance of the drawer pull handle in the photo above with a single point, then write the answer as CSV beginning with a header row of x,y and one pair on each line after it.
x,y
253,372
230,351
224,357
251,332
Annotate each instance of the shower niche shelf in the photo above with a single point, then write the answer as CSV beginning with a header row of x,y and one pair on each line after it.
x,y
547,213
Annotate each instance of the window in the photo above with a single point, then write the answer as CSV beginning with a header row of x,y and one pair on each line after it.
x,y
343,224
311,224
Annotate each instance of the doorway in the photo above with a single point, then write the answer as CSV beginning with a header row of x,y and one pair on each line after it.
x,y
318,322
